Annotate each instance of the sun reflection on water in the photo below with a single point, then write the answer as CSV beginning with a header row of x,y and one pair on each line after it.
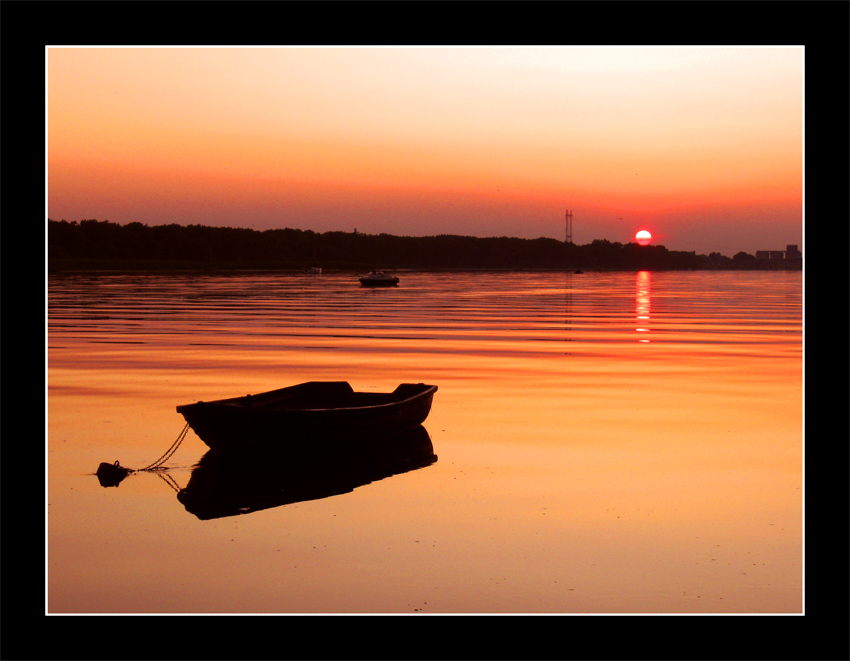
x,y
643,287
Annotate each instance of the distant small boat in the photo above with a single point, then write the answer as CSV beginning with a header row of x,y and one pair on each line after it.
x,y
378,279
303,417
313,270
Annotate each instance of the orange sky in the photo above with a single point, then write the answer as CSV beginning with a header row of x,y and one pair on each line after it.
x,y
702,146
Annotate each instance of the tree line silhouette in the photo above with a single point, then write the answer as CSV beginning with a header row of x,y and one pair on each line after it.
x,y
104,244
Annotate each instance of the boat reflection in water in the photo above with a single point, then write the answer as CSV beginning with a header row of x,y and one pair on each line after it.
x,y
228,487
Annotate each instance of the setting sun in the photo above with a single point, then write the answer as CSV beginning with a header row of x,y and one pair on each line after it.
x,y
643,237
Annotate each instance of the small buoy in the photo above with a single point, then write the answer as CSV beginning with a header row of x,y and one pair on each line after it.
x,y
110,475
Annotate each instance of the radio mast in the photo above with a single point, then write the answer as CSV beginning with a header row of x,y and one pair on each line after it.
x,y
569,218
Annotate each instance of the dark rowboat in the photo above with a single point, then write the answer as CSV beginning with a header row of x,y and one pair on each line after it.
x,y
303,417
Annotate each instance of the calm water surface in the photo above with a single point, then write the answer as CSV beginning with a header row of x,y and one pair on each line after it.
x,y
605,442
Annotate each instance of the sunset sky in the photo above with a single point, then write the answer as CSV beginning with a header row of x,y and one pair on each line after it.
x,y
702,146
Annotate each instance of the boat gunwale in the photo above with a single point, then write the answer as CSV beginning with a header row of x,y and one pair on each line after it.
x,y
238,403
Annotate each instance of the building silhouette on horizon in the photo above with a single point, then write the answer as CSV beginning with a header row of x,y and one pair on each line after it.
x,y
791,252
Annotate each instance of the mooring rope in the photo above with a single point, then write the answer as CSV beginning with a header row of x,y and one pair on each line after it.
x,y
165,457
110,475
170,481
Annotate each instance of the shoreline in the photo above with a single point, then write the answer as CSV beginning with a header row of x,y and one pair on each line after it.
x,y
182,266
104,245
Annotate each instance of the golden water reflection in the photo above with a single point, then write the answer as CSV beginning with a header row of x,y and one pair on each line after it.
x,y
617,477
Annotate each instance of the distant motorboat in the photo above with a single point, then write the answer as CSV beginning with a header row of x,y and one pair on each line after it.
x,y
313,270
378,279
